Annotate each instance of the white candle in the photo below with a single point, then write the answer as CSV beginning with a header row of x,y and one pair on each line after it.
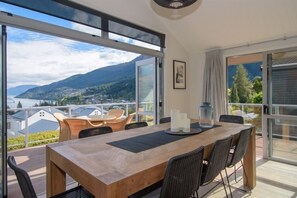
x,y
186,125
175,120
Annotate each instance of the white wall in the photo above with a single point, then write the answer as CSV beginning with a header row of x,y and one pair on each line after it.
x,y
175,98
196,82
267,46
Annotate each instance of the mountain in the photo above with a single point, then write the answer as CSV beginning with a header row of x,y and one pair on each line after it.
x,y
14,91
253,70
103,82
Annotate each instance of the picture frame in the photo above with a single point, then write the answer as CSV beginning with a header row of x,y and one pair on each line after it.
x,y
179,74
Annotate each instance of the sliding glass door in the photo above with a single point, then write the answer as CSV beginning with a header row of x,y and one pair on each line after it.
x,y
280,110
3,183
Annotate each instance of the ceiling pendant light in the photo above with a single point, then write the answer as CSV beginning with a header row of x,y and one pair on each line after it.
x,y
174,4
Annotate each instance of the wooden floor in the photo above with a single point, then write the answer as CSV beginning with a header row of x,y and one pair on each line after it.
x,y
274,179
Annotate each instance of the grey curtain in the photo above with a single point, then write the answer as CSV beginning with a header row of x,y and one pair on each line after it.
x,y
214,90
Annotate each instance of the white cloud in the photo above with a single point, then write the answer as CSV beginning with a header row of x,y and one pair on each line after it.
x,y
86,29
132,41
44,60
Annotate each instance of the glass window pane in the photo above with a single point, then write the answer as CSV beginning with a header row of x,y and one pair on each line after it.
x,y
283,138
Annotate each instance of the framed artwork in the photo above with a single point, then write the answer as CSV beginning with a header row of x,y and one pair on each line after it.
x,y
179,74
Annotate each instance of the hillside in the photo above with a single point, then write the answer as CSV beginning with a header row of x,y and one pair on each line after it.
x,y
116,81
14,91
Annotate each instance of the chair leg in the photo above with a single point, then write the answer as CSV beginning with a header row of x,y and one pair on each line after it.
x,y
224,185
235,173
228,183
196,194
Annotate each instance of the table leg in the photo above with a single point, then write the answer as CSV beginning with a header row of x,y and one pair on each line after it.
x,y
55,177
249,161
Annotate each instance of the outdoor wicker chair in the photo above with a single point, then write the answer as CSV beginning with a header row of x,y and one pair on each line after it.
x,y
119,125
64,129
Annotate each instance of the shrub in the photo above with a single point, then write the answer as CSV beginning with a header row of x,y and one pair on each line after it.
x,y
35,139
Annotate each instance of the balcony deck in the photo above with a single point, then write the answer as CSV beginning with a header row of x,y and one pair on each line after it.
x,y
273,179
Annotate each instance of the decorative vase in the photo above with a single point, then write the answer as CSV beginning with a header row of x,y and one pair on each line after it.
x,y
206,115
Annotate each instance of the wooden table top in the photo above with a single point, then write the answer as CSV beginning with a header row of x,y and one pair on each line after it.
x,y
108,171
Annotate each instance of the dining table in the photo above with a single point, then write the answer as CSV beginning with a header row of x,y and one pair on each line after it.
x,y
119,164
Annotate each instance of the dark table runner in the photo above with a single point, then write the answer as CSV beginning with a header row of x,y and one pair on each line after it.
x,y
148,141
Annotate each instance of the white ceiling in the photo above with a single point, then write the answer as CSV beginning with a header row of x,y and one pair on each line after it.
x,y
210,23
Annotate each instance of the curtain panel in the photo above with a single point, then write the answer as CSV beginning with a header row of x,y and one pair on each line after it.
x,y
214,84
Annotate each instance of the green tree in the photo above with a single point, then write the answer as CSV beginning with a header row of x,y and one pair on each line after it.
x,y
257,84
19,105
243,85
258,97
234,94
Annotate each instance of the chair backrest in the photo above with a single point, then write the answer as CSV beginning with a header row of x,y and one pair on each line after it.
x,y
118,113
64,129
183,172
135,125
217,160
77,124
94,131
240,147
23,179
165,120
120,125
232,119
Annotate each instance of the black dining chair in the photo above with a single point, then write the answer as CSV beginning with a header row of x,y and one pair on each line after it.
x,y
182,176
232,119
135,125
238,152
213,166
165,120
94,131
28,189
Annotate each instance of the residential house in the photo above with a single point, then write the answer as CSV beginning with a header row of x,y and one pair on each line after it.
x,y
38,120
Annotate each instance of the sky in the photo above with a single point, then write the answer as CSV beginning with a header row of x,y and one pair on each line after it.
x,y
38,59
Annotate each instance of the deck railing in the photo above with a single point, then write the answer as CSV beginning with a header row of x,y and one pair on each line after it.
x,y
285,113
130,106
252,113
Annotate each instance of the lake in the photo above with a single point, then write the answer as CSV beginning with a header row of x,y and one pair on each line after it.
x,y
12,102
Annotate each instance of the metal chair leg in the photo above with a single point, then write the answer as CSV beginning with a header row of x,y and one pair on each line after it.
x,y
235,173
224,185
228,183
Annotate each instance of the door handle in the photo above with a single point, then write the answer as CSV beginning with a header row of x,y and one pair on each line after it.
x,y
265,109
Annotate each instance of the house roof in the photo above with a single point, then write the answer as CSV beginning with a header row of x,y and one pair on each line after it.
x,y
21,115
85,111
42,125
209,24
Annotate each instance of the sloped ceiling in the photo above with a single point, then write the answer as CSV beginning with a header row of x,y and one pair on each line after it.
x,y
210,24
